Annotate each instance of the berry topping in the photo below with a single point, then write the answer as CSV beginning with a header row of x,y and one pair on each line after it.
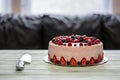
x,y
68,39
99,58
98,41
64,44
89,43
81,39
75,44
62,61
54,59
60,42
85,38
92,61
95,41
76,41
81,44
49,56
83,62
73,62
69,44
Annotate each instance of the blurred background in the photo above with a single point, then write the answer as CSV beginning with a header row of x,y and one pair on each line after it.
x,y
66,7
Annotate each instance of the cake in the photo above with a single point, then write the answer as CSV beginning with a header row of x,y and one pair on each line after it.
x,y
75,50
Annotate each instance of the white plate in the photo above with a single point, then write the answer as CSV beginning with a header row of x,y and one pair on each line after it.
x,y
105,59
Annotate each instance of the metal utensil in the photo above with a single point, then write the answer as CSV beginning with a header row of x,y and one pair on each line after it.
x,y
25,59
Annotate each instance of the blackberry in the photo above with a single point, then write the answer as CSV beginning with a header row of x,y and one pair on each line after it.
x,y
81,39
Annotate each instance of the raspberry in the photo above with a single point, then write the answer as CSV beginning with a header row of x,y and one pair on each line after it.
x,y
68,39
69,44
98,41
85,38
81,44
60,42
76,41
89,43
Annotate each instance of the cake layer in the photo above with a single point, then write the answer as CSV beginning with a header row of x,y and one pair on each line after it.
x,y
76,52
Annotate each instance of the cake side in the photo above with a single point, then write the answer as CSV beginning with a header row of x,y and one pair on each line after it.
x,y
75,54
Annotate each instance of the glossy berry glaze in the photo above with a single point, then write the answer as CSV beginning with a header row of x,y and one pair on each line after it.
x,y
75,50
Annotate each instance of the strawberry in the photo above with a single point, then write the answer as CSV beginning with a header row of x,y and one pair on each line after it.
x,y
62,61
83,62
68,39
92,61
60,42
85,38
49,56
54,59
95,41
73,62
99,58
81,44
89,43
76,41
69,44
98,41
102,54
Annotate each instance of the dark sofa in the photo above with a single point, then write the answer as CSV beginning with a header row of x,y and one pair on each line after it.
x,y
34,32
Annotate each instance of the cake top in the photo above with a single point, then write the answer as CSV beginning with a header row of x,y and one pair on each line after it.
x,y
75,40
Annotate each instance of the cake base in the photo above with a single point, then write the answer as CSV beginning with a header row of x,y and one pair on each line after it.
x,y
104,60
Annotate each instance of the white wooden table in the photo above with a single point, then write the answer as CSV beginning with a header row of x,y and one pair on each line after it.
x,y
39,70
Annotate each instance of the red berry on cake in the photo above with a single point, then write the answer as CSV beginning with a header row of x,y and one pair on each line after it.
x,y
98,41
99,58
73,62
102,54
92,61
95,41
76,41
81,44
49,56
62,61
89,43
85,38
83,62
68,39
60,42
69,44
54,59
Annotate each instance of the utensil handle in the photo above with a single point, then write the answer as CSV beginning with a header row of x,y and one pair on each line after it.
x,y
20,65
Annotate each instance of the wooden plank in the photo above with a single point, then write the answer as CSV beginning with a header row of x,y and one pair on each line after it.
x,y
38,69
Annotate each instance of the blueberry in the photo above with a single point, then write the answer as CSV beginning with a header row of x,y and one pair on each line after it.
x,y
64,44
63,40
81,39
85,41
75,44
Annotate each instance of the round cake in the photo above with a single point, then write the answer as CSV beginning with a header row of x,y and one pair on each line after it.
x,y
75,50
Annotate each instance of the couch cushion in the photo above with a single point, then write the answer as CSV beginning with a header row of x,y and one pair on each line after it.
x,y
2,39
66,25
111,31
22,32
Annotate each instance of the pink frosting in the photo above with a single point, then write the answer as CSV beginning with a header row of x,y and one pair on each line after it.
x,y
77,52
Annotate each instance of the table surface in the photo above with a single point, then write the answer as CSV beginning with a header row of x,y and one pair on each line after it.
x,y
39,70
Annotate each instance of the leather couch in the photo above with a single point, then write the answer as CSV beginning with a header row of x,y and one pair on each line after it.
x,y
35,31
